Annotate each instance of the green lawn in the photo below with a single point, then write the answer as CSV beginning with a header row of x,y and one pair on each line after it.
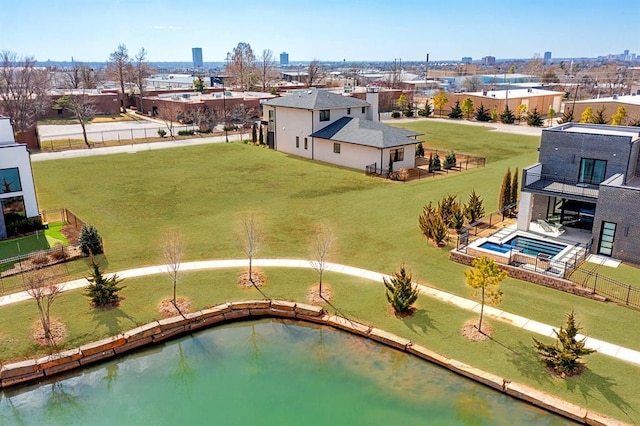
x,y
42,240
133,198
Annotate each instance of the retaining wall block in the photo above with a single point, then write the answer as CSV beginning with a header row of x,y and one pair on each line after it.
x,y
238,313
348,325
216,310
484,377
309,310
143,331
595,419
70,365
324,319
546,401
15,380
283,305
19,368
282,313
389,339
131,345
173,322
251,304
59,358
260,312
429,355
97,357
102,345
166,334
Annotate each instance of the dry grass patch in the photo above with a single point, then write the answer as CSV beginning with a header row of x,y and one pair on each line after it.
x,y
258,279
315,297
58,333
168,309
471,332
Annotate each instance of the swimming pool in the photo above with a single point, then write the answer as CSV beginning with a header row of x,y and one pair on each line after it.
x,y
526,245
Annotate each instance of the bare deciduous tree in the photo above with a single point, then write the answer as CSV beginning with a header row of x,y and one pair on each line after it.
x,y
241,66
323,238
268,69
39,284
251,239
141,70
244,117
119,69
23,89
314,74
82,107
172,252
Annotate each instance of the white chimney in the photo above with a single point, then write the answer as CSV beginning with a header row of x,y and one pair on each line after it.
x,y
372,99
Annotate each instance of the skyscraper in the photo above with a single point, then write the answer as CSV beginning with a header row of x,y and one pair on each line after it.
x,y
284,58
196,53
547,57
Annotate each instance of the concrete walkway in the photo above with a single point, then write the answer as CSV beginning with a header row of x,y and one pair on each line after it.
x,y
602,347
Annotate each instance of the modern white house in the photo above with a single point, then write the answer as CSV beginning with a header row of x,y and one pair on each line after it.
x,y
17,191
337,129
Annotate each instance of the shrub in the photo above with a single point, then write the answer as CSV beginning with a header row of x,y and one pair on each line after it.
x,y
395,114
482,114
534,119
186,132
401,294
39,259
403,174
59,253
162,133
103,291
449,161
419,150
456,111
435,165
89,240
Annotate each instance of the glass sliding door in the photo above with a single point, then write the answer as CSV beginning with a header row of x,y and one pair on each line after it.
x,y
592,171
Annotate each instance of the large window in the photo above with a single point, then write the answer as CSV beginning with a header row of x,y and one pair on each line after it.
x,y
607,235
13,211
324,115
10,181
306,143
397,154
592,171
336,148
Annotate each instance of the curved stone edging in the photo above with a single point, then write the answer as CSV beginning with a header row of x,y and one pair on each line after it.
x,y
158,331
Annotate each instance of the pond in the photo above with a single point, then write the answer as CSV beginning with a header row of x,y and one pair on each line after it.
x,y
266,372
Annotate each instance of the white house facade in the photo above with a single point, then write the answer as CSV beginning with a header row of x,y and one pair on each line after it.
x,y
17,190
332,128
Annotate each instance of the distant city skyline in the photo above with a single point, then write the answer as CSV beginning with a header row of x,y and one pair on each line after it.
x,y
336,30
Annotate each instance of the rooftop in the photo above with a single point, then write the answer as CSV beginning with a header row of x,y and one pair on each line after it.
x,y
515,93
314,99
598,129
626,99
365,132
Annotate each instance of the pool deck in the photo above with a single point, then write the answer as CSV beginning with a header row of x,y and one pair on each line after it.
x,y
610,349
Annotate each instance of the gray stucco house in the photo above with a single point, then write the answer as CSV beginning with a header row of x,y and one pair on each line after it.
x,y
588,177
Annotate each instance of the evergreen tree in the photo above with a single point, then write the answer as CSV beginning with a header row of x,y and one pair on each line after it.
x,y
599,117
507,116
261,136
103,291
419,150
425,220
565,357
198,84
567,116
89,240
482,114
534,119
430,169
436,165
449,161
456,111
474,209
505,191
254,133
513,199
400,292
445,209
439,231
457,217
587,115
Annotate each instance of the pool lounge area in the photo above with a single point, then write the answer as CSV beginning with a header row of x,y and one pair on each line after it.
x,y
530,250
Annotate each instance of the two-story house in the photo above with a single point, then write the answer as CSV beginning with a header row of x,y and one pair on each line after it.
x,y
337,129
588,177
17,192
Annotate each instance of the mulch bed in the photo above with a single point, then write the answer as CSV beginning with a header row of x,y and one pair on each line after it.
x,y
258,279
313,295
58,333
168,309
471,332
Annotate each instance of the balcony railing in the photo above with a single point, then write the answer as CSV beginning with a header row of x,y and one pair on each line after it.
x,y
558,185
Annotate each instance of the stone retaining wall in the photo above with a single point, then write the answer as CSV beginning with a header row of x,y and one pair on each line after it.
x,y
533,277
34,370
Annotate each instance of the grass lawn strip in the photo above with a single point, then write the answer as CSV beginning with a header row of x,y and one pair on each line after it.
x,y
605,387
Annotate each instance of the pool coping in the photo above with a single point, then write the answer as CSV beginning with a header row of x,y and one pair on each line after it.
x,y
33,370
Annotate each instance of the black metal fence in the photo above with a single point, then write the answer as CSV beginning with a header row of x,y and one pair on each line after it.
x,y
604,286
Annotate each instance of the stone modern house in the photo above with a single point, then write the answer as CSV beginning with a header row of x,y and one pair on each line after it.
x,y
337,129
588,177
17,191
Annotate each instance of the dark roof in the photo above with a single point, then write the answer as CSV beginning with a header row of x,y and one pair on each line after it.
x,y
315,99
365,132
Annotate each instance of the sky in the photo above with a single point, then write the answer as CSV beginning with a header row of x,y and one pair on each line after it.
x,y
328,30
